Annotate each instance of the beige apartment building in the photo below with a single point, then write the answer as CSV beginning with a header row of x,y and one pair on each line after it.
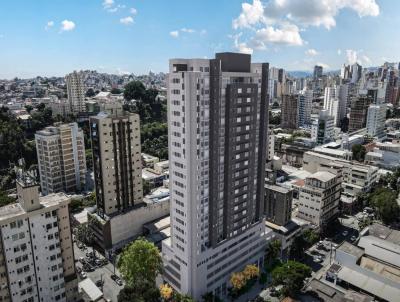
x,y
61,158
36,251
319,198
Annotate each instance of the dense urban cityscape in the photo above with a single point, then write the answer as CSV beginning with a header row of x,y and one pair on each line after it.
x,y
222,178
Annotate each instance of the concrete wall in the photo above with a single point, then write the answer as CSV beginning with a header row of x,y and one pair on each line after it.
x,y
129,225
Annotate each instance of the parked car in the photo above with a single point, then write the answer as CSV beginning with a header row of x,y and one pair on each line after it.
x,y
345,233
353,238
83,275
78,269
82,260
317,259
119,282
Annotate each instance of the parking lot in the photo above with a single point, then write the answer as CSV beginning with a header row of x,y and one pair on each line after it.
x,y
103,273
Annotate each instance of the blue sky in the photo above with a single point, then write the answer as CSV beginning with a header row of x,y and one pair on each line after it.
x,y
54,37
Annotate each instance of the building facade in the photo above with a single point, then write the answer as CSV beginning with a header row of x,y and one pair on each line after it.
x,y
290,111
61,158
358,112
319,198
305,105
36,251
323,128
76,92
376,119
278,204
217,116
116,161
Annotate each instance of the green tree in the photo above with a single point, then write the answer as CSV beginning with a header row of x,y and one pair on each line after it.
x,y
115,91
5,200
359,152
84,234
291,276
140,261
384,200
141,291
90,93
89,158
28,108
274,250
134,90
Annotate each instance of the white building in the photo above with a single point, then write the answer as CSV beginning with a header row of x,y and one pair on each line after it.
x,y
376,120
61,158
319,198
76,92
304,111
323,128
217,126
335,101
37,259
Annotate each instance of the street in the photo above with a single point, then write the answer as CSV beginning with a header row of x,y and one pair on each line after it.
x,y
110,288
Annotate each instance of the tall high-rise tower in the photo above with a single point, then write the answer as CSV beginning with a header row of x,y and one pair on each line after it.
x,y
217,116
116,161
76,92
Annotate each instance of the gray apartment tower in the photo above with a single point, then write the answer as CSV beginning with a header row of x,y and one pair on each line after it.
x,y
217,123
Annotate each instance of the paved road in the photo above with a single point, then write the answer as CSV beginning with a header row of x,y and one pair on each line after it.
x,y
110,288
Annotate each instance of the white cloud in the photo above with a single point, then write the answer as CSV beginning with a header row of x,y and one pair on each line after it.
x,y
311,52
278,21
288,34
188,30
49,25
354,56
339,51
242,47
365,60
251,14
126,21
351,56
67,25
133,11
174,33
108,3
324,66
317,12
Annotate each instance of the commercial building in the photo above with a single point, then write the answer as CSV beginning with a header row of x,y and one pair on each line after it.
x,y
376,118
76,92
61,158
319,198
358,112
217,123
36,252
335,101
290,111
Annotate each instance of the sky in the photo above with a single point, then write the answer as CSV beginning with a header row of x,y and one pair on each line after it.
x,y
55,37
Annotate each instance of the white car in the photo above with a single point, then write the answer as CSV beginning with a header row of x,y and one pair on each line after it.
x,y
83,275
317,259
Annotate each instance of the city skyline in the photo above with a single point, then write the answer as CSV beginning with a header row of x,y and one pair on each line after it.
x,y
52,39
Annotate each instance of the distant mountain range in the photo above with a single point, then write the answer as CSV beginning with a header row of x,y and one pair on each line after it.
x,y
305,74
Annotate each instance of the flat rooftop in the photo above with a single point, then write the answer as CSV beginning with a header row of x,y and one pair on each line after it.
x,y
15,209
351,249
